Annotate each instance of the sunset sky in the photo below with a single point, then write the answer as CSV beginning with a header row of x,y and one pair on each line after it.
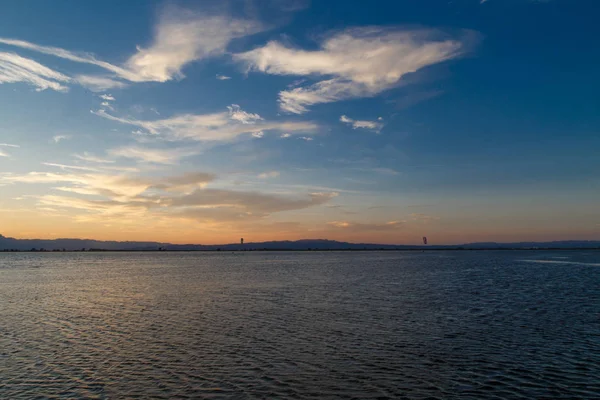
x,y
363,121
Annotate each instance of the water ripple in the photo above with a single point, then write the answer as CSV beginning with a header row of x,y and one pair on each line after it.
x,y
476,325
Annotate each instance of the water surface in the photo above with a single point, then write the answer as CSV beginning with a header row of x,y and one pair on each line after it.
x,y
368,325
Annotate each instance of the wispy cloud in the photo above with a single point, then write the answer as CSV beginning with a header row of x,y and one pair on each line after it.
x,y
181,37
358,226
14,68
67,167
98,83
177,197
4,153
153,155
93,159
60,138
374,126
220,126
413,98
268,175
359,62
223,77
423,217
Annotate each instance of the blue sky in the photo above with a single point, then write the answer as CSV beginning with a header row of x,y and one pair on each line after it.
x,y
285,119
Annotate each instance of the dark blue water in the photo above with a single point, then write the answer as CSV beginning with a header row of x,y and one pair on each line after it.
x,y
367,325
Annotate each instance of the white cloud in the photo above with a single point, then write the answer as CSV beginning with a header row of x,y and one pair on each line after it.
x,y
115,187
270,174
14,68
357,226
211,127
79,57
93,159
66,167
285,135
359,62
152,155
223,77
98,83
107,105
59,138
181,37
358,124
258,134
237,114
107,97
307,138
4,153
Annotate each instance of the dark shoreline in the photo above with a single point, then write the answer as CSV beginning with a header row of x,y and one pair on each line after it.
x,y
417,250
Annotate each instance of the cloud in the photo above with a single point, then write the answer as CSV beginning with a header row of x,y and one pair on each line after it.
x,y
423,217
268,175
107,105
66,167
107,97
114,187
153,155
414,98
180,37
177,197
97,83
285,135
358,62
14,68
307,138
357,226
183,36
237,114
91,158
258,134
223,77
374,126
60,138
239,204
222,126
80,57
4,153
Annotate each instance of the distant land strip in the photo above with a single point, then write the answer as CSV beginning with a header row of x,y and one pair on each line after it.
x,y
8,244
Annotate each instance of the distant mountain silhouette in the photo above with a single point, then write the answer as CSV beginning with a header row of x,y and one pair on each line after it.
x,y
7,244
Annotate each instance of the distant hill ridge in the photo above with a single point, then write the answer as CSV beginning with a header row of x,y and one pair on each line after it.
x,y
7,244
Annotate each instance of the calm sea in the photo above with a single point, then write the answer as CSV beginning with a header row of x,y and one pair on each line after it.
x,y
364,325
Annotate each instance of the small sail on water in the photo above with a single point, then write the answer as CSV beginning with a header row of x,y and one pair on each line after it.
x,y
424,239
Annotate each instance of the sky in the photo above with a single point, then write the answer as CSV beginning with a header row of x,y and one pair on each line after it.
x,y
380,121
